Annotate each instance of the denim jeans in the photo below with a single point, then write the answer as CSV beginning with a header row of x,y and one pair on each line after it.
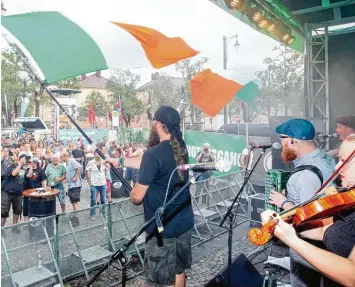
x,y
94,190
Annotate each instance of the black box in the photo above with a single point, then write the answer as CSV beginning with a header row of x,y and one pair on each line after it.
x,y
256,206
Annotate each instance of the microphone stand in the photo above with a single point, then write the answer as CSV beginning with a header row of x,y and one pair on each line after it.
x,y
120,254
231,215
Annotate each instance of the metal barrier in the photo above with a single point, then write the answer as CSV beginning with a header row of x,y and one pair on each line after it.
x,y
48,250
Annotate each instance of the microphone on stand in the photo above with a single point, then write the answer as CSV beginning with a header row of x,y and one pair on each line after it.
x,y
221,165
275,145
335,135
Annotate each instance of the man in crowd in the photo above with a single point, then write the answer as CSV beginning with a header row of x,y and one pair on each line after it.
x,y
12,188
56,174
312,167
205,155
74,181
167,254
345,128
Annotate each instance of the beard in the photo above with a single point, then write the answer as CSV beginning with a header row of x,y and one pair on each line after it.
x,y
153,139
288,155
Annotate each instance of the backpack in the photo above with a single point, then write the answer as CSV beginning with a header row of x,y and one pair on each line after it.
x,y
312,168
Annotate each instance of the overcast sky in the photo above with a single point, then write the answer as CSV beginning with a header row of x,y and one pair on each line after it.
x,y
200,23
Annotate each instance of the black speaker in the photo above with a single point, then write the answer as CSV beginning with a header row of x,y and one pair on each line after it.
x,y
244,274
117,188
277,162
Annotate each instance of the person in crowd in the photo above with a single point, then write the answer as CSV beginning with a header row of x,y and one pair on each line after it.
x,y
41,147
78,155
34,178
38,155
345,128
96,177
167,254
106,143
205,155
47,158
246,159
337,262
27,150
56,174
6,161
313,167
70,146
12,189
108,177
33,146
132,169
89,153
73,179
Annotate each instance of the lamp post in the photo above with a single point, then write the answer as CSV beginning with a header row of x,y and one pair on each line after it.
x,y
225,60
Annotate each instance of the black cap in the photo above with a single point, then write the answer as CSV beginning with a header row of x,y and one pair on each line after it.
x,y
168,116
348,121
22,155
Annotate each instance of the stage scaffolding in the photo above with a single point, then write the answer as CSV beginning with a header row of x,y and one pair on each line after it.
x,y
50,250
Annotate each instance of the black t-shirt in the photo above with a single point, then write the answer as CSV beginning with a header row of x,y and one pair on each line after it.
x,y
36,180
157,165
77,153
14,184
339,238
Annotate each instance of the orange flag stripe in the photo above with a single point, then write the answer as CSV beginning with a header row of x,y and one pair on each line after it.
x,y
160,50
211,92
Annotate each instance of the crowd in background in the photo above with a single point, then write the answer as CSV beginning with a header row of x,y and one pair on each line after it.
x,y
27,164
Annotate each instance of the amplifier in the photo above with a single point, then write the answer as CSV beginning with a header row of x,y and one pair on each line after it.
x,y
256,205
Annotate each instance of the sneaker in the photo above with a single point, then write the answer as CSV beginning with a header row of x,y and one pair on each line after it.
x,y
92,218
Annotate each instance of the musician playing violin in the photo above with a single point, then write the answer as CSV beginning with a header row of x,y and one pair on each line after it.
x,y
338,234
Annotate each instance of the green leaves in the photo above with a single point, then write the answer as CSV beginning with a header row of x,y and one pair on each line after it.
x,y
100,102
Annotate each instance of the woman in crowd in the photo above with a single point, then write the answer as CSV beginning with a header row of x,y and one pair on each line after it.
x,y
41,147
96,177
70,146
338,235
108,178
47,158
33,147
6,161
39,156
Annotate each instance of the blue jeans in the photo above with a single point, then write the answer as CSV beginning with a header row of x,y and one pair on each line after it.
x,y
94,190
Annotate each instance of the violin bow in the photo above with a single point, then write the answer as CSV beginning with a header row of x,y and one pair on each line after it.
x,y
337,171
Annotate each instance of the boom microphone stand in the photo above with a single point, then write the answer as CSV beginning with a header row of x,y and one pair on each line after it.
x,y
120,254
231,215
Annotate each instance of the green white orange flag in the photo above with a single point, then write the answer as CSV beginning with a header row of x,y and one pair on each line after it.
x,y
211,91
62,46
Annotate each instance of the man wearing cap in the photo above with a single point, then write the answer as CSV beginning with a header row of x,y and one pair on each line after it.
x,y
313,167
12,189
345,128
167,254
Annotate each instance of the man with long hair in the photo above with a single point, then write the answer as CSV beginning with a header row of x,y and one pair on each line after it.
x,y
167,254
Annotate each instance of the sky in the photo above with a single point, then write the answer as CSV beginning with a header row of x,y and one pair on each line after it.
x,y
200,23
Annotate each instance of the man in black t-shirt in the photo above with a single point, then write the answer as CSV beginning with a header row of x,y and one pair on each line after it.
x,y
167,254
12,191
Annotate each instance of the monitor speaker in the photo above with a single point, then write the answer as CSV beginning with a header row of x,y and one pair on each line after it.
x,y
244,274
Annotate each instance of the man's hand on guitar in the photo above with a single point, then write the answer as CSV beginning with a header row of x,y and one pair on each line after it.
x,y
277,198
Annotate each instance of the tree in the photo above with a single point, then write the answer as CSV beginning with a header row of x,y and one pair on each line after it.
x,y
123,85
100,103
164,93
188,69
282,81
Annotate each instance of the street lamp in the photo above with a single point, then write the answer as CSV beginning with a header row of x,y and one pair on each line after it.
x,y
3,10
225,59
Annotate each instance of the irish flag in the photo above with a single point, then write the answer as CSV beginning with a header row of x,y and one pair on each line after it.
x,y
62,46
212,90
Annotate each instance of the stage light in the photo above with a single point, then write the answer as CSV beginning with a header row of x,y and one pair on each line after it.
x,y
291,40
257,16
263,23
234,4
271,27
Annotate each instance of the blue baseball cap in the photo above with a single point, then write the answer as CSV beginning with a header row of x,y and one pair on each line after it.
x,y
297,128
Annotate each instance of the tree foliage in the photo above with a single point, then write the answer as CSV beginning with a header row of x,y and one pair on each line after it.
x,y
123,85
188,68
100,103
282,82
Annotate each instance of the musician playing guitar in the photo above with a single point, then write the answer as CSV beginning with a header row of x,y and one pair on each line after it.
x,y
338,234
312,167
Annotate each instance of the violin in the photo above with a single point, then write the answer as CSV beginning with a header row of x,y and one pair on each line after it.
x,y
318,207
327,202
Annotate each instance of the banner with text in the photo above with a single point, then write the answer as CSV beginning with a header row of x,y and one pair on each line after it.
x,y
224,146
96,134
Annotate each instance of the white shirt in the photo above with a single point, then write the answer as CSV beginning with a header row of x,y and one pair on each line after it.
x,y
97,177
246,153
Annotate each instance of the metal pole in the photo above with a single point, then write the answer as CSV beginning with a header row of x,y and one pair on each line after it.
x,y
225,68
326,59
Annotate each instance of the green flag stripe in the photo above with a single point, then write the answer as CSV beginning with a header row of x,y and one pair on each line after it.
x,y
249,93
72,51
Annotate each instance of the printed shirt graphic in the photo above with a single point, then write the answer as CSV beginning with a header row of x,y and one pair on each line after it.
x,y
97,177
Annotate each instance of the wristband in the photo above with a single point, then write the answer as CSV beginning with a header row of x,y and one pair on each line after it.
x,y
286,201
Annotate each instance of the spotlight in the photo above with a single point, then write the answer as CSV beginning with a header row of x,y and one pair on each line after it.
x,y
257,16
291,40
234,4
263,23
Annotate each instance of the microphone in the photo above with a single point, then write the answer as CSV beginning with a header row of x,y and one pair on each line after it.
x,y
335,135
221,165
275,145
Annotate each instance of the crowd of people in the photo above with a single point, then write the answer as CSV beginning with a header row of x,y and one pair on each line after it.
x,y
27,164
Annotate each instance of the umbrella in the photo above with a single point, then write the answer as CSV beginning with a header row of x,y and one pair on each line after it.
x,y
63,45
211,91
